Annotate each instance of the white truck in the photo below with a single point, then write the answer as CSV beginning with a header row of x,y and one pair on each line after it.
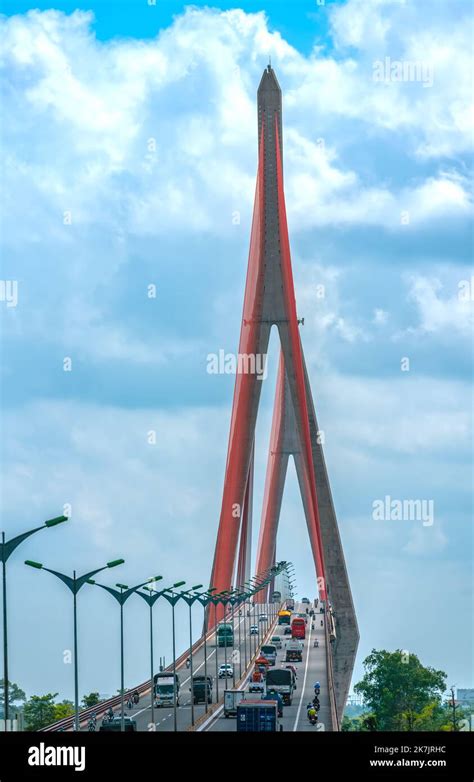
x,y
164,690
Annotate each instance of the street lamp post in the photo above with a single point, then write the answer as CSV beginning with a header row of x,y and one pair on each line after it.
x,y
150,597
205,598
239,603
190,599
121,596
74,584
233,602
225,601
215,601
172,599
7,547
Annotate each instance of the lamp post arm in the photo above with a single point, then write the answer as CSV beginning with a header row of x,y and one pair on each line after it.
x,y
151,597
65,579
9,547
114,592
83,579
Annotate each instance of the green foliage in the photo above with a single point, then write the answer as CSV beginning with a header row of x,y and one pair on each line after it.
x,y
39,711
399,692
63,709
90,700
15,695
364,722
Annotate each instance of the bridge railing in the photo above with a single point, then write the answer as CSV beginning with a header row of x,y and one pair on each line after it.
x,y
330,674
100,708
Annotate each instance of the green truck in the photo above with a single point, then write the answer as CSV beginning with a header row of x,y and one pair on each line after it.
x,y
225,634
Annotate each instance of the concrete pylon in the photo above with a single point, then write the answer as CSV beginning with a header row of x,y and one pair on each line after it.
x,y
269,300
284,441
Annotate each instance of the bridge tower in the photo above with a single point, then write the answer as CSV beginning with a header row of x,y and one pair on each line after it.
x,y
269,300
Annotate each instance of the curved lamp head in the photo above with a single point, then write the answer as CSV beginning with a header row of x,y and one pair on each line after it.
x,y
56,520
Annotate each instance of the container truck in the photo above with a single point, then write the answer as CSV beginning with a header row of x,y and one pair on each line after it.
x,y
257,716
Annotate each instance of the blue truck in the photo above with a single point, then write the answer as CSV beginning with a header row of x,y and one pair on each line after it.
x,y
257,716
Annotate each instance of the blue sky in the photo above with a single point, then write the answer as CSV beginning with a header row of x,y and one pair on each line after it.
x,y
129,146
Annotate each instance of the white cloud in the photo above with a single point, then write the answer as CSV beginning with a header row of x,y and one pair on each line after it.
x,y
438,312
89,109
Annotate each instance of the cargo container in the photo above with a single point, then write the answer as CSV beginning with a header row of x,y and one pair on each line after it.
x,y
258,716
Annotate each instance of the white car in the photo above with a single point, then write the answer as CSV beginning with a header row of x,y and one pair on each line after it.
x,y
257,687
276,641
253,630
263,618
226,671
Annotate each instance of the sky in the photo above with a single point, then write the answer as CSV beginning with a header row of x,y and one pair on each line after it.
x,y
129,157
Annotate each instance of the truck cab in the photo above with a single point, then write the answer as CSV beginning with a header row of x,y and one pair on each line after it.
x,y
201,689
294,652
166,685
281,680
269,651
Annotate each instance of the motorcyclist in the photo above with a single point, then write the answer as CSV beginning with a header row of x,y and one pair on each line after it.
x,y
316,643
188,662
312,716
317,688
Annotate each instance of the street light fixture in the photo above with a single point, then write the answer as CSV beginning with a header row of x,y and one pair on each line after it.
x,y
150,597
190,599
215,600
172,599
74,584
6,549
205,598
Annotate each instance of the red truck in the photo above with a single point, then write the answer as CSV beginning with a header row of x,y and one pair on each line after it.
x,y
298,628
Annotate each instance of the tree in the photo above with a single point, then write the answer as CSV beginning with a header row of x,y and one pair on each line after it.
x,y
39,711
90,700
63,709
396,688
15,695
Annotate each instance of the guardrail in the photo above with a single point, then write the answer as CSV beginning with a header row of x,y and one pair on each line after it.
x,y
330,674
100,708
